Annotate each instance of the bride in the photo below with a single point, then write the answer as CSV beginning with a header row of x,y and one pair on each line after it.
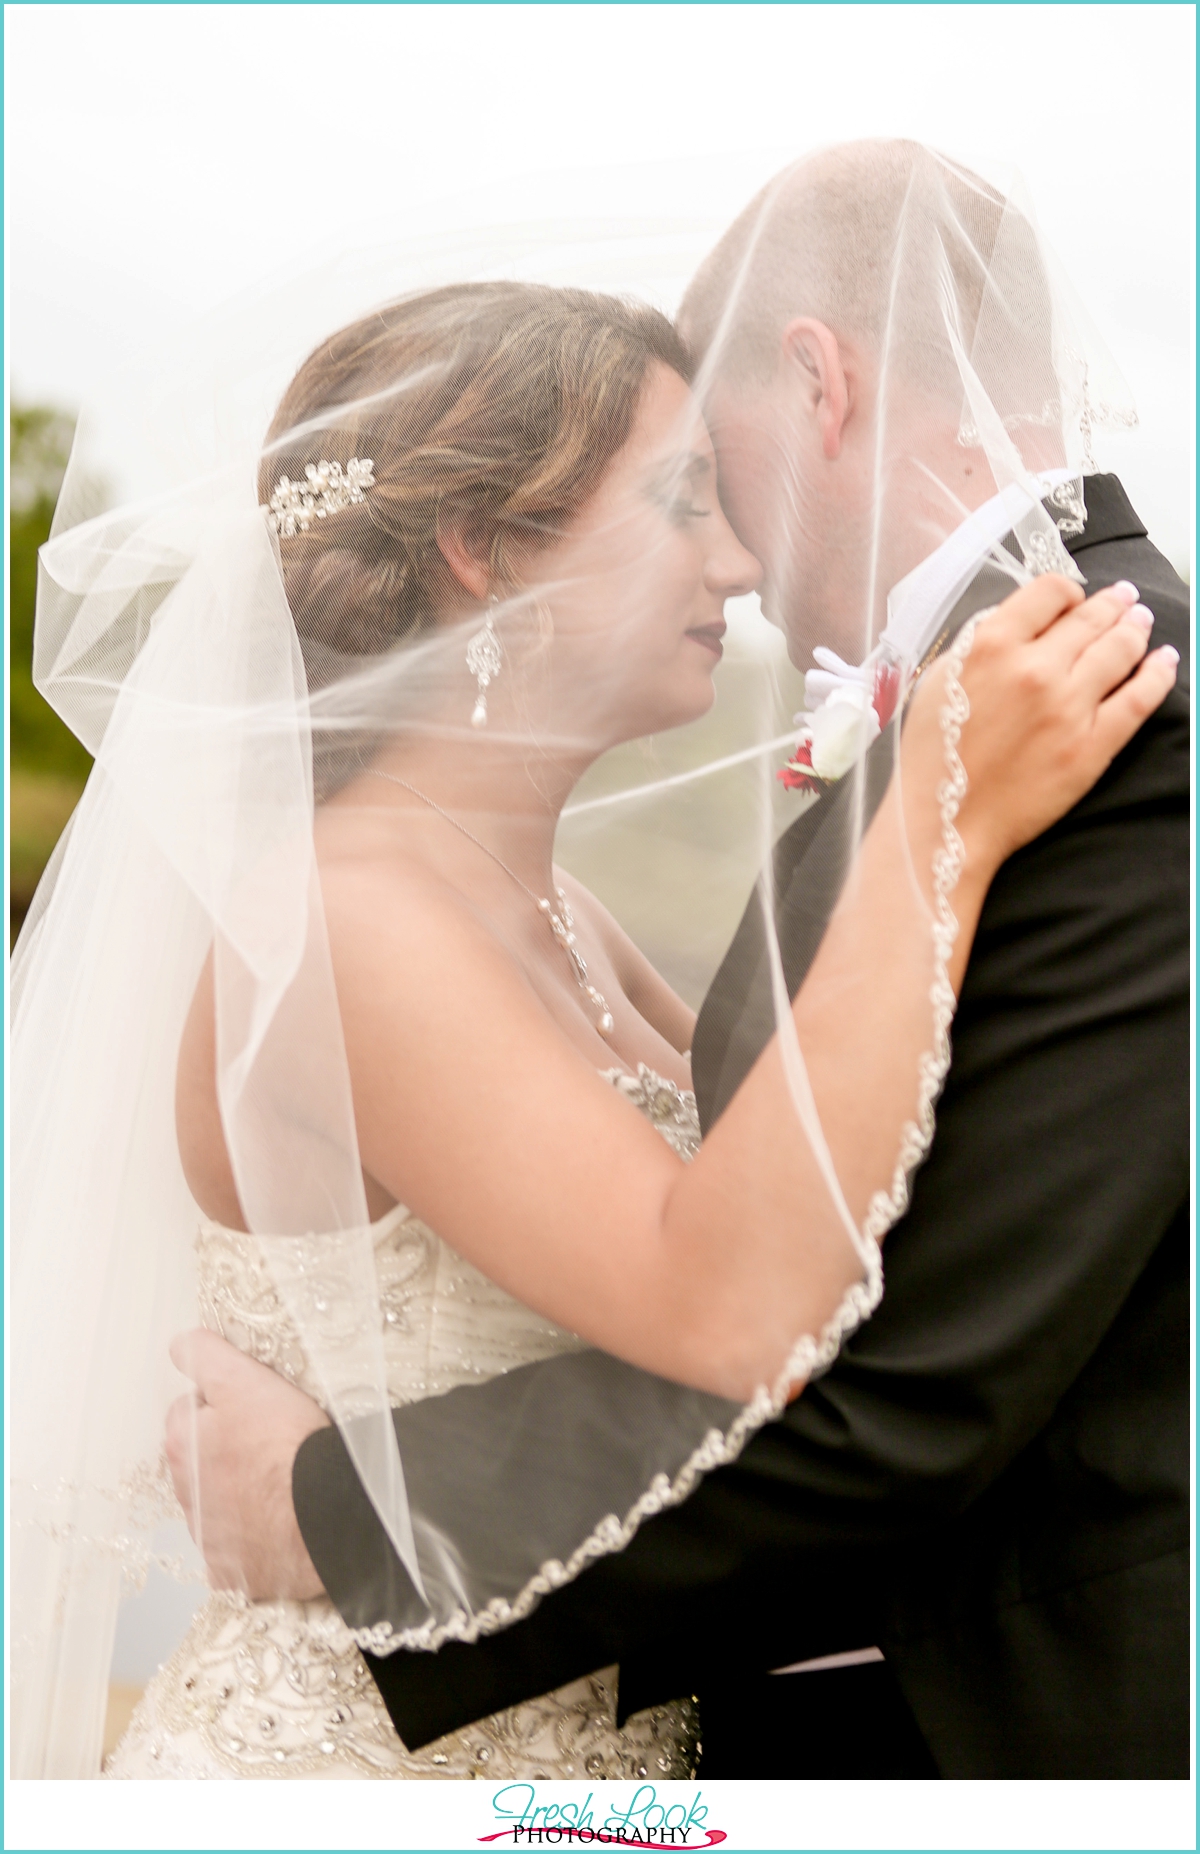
x,y
308,944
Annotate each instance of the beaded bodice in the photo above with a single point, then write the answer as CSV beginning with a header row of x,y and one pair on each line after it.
x,y
443,1322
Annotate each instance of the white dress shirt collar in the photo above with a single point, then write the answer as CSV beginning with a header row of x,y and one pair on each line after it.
x,y
919,602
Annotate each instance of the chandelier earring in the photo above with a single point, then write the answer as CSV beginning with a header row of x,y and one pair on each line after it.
x,y
484,659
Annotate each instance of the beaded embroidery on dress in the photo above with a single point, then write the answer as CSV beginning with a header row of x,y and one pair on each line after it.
x,y
279,1689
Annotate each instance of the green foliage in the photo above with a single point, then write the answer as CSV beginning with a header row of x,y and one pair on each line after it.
x,y
48,766
40,441
39,445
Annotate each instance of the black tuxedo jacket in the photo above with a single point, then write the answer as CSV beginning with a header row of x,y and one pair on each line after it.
x,y
992,1483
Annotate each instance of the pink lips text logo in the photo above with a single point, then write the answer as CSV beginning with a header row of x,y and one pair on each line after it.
x,y
557,1834
536,1817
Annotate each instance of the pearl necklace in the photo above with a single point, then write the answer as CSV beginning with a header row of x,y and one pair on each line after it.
x,y
561,921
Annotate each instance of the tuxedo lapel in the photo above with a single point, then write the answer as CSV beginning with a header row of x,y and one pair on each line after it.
x,y
809,867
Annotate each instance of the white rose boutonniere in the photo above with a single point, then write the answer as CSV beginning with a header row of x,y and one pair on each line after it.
x,y
851,711
841,730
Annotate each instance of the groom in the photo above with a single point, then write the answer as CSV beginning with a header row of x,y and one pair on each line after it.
x,y
970,1537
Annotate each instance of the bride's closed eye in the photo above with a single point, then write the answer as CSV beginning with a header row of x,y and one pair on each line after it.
x,y
683,511
680,491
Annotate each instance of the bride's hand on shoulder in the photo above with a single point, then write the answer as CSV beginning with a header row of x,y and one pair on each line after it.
x,y
1057,684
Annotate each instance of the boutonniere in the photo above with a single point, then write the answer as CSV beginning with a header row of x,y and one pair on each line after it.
x,y
848,709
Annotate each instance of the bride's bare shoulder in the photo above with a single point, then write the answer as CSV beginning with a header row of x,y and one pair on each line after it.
x,y
378,900
409,948
394,930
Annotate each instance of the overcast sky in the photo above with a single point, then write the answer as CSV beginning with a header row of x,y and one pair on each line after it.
x,y
163,159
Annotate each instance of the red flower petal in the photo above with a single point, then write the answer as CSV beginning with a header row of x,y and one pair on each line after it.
x,y
886,692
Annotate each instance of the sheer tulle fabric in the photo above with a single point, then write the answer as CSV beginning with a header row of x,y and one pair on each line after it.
x,y
166,640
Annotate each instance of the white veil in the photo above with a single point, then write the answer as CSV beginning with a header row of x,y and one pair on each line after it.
x,y
169,638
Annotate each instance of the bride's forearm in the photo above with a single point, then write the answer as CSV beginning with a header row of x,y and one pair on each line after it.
x,y
862,1022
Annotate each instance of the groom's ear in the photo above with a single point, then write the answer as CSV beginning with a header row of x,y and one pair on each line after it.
x,y
813,348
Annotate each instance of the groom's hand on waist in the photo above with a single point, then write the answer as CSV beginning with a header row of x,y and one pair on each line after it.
x,y
230,1446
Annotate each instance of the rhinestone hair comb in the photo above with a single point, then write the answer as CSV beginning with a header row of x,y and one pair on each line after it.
x,y
326,489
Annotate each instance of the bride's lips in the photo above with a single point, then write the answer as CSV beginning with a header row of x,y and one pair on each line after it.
x,y
710,636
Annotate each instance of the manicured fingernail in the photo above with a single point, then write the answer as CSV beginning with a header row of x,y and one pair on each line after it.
x,y
1143,616
1127,590
1170,653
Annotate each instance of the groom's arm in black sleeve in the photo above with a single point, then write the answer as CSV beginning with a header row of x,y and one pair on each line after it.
x,y
1060,1164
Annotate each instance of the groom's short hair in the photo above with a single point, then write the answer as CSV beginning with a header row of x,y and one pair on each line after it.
x,y
830,237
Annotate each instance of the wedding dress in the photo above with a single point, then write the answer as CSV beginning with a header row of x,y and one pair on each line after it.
x,y
279,1689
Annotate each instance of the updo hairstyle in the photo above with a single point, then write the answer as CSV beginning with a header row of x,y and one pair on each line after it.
x,y
499,404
